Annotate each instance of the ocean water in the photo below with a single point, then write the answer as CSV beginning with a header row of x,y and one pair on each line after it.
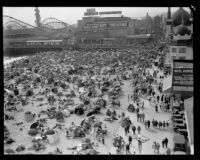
x,y
7,60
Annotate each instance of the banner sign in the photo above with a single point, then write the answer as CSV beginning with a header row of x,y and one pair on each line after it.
x,y
183,76
108,25
90,14
110,12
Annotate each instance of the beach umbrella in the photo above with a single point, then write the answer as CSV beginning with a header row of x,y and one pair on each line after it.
x,y
20,148
19,106
86,140
66,113
38,79
49,132
9,92
33,132
29,92
29,116
63,85
9,151
97,124
108,112
55,90
79,109
90,152
59,116
78,132
52,136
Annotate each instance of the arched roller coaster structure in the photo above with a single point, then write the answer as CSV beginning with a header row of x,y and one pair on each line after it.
x,y
53,23
48,24
15,24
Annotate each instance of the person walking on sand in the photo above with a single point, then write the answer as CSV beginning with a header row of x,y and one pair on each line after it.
x,y
156,108
139,129
129,140
166,141
158,148
148,124
103,140
154,147
127,148
140,141
163,143
133,129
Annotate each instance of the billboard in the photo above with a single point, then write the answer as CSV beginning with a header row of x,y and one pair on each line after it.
x,y
110,12
108,25
182,79
90,12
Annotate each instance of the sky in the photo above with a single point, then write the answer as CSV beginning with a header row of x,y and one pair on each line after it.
x,y
70,15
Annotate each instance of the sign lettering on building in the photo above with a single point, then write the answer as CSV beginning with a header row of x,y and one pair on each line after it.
x,y
108,25
110,12
183,76
90,12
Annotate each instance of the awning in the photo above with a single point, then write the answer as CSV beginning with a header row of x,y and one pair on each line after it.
x,y
179,153
168,65
180,139
139,36
167,84
188,104
108,39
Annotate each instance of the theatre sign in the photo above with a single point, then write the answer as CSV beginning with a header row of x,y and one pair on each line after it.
x,y
182,80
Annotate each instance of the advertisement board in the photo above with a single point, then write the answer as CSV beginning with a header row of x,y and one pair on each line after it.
x,y
110,12
108,25
182,79
90,12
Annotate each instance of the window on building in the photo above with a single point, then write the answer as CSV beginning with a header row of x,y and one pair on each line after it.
x,y
174,50
181,57
182,50
173,57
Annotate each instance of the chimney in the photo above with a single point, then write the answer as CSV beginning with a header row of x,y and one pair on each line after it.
x,y
169,13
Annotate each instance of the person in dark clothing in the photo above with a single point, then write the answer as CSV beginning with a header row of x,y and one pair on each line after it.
x,y
158,98
156,123
130,140
160,124
137,110
148,123
138,116
167,124
156,108
139,129
167,107
162,98
163,143
133,129
129,121
160,106
127,148
128,127
164,124
16,91
153,123
103,140
125,129
166,141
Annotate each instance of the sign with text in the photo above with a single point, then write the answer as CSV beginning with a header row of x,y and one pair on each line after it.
x,y
108,25
90,12
110,12
183,76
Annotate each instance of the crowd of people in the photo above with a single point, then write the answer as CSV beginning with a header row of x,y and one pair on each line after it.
x,y
86,77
